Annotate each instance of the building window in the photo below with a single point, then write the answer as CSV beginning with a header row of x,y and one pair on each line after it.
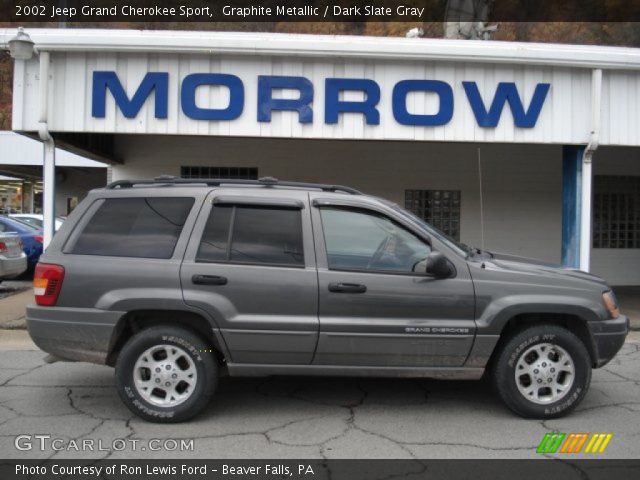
x,y
616,211
233,173
440,208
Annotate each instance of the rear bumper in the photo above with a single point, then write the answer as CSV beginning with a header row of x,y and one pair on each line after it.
x,y
79,334
12,267
608,337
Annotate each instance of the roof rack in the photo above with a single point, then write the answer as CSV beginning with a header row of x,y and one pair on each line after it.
x,y
216,182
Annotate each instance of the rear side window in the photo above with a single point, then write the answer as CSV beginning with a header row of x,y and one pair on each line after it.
x,y
135,227
253,235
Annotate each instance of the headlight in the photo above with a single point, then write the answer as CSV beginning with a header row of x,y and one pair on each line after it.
x,y
611,303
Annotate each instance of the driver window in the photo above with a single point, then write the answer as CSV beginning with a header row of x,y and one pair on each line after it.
x,y
359,239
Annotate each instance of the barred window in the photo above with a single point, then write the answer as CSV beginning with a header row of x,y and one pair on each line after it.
x,y
440,208
232,173
616,211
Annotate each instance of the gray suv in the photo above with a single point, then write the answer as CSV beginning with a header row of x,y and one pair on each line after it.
x,y
176,281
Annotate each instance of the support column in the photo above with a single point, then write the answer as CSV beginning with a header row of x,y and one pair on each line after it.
x,y
571,204
48,156
49,191
586,213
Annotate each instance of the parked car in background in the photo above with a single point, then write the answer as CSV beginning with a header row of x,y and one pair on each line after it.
x,y
13,260
35,219
31,237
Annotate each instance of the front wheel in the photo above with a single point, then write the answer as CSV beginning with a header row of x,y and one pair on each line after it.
x,y
166,374
542,372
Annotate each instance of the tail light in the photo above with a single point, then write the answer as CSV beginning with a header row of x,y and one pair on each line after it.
x,y
47,283
3,247
38,238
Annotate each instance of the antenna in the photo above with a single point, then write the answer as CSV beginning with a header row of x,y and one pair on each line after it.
x,y
481,200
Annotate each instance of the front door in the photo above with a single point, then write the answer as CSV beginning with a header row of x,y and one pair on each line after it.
x,y
374,309
250,264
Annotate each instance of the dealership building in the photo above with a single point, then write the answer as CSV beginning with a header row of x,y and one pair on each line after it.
x,y
531,149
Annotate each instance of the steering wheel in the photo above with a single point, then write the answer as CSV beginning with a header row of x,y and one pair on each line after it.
x,y
377,256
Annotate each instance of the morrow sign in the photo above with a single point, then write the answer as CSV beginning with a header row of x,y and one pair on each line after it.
x,y
487,114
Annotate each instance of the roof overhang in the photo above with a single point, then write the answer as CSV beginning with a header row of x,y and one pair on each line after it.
x,y
278,44
27,150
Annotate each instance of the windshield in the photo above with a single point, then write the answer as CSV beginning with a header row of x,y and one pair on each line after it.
x,y
460,248
34,222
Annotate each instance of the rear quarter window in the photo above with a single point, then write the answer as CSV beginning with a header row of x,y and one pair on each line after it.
x,y
134,227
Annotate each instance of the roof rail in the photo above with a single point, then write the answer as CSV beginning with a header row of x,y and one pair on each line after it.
x,y
216,182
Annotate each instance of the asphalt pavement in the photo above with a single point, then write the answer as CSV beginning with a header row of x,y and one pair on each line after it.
x,y
294,417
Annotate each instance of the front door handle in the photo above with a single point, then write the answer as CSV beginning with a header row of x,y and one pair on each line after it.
x,y
209,280
347,288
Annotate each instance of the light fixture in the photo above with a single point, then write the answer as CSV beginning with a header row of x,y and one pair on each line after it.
x,y
21,46
415,33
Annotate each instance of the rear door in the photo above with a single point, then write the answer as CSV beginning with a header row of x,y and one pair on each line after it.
x,y
374,309
250,264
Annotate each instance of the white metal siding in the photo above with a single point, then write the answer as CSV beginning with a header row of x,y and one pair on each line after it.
x,y
564,117
620,108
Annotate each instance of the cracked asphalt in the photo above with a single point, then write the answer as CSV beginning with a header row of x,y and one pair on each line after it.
x,y
295,417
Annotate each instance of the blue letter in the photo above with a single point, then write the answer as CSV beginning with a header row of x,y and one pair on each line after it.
x,y
334,106
442,89
506,92
158,81
188,96
266,104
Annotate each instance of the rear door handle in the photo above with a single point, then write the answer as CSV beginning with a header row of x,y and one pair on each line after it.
x,y
347,288
209,280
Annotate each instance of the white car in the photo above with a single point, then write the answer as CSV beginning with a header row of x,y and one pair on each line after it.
x,y
13,261
35,219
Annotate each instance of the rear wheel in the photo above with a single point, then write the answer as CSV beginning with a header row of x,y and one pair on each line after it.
x,y
542,372
166,374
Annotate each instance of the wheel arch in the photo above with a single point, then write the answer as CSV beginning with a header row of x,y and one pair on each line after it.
x,y
137,320
571,321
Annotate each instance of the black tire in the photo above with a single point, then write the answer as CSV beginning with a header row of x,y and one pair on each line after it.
x,y
200,354
503,374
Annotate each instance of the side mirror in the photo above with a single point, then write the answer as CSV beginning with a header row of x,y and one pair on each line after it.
x,y
436,264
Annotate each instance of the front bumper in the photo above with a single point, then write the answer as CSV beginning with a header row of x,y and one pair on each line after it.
x,y
79,334
12,267
608,337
